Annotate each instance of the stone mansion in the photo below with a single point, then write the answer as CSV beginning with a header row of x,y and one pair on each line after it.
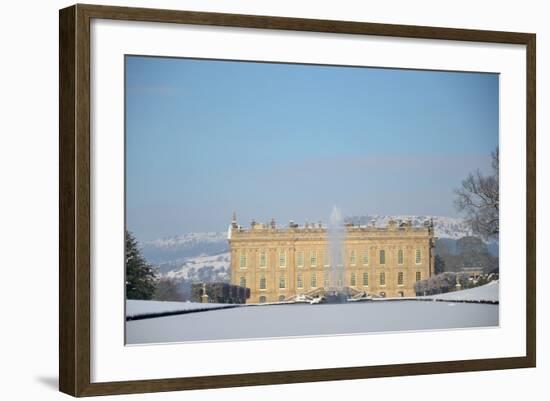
x,y
279,263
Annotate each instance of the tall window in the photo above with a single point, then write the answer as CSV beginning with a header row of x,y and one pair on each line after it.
x,y
263,258
382,278
282,258
263,284
326,279
299,281
382,257
366,279
313,258
242,281
352,280
262,299
300,259
313,280
340,282
400,257
352,258
418,257
418,276
242,262
282,282
366,257
400,278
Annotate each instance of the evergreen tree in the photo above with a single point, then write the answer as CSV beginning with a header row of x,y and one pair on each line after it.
x,y
140,275
439,264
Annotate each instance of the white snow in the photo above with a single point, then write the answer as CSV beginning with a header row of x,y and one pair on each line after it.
x,y
189,238
308,320
488,292
135,308
220,264
445,227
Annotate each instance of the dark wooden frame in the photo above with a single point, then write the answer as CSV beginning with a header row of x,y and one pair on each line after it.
x,y
74,199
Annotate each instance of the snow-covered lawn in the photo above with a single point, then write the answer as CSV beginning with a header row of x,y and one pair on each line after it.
x,y
488,293
137,308
308,320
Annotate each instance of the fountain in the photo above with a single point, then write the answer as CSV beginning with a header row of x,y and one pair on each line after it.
x,y
335,235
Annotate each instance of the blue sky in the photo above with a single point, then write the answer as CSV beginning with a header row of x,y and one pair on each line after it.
x,y
205,138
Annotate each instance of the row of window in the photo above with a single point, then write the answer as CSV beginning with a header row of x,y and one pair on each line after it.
x,y
263,299
326,280
262,262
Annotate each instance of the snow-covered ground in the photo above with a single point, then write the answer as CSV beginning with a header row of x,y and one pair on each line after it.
x,y
310,320
488,293
137,308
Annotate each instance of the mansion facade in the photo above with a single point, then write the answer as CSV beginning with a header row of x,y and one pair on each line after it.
x,y
277,263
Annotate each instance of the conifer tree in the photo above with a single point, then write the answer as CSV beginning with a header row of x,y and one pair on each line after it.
x,y
140,275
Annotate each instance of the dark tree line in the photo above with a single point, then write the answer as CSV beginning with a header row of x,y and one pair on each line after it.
x,y
170,289
448,282
469,252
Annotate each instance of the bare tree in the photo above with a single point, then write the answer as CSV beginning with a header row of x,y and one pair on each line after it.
x,y
478,198
421,287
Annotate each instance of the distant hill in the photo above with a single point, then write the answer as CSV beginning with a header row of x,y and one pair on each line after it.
x,y
445,227
181,247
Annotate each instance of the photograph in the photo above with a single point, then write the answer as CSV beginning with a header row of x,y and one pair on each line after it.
x,y
269,200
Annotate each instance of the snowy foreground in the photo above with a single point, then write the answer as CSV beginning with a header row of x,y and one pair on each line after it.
x,y
485,293
310,320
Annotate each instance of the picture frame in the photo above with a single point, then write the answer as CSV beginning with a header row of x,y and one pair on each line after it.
x,y
76,198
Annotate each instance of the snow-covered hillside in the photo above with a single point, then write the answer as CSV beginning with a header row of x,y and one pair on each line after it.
x,y
202,268
189,240
445,227
181,247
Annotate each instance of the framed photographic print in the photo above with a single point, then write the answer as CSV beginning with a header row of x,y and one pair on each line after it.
x,y
250,200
